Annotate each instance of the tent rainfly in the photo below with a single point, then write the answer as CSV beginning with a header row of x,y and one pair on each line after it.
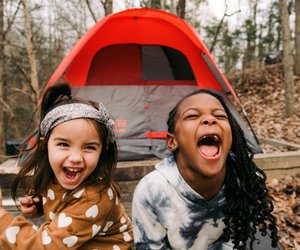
x,y
139,63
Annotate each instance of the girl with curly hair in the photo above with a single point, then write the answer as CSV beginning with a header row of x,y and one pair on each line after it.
x,y
208,194
67,176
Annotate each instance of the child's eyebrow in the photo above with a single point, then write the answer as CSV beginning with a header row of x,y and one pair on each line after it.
x,y
60,139
219,109
93,143
197,109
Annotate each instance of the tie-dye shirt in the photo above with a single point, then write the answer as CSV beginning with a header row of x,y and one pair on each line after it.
x,y
88,221
168,214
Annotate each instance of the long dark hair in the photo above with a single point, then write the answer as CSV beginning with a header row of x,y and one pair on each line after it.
x,y
35,171
248,206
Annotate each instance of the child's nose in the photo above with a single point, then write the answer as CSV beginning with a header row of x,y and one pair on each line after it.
x,y
208,120
75,156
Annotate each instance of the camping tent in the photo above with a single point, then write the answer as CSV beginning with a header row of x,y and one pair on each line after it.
x,y
139,63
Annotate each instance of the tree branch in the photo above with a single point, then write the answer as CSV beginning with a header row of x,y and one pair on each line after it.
x,y
34,82
9,25
220,26
90,9
20,91
11,116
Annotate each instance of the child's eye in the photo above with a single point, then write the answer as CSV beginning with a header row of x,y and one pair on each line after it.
x,y
191,117
62,144
91,147
221,116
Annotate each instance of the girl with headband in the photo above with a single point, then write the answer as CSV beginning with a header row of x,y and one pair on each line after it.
x,y
67,175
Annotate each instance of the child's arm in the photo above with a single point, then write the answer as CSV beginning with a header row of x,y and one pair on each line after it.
x,y
28,206
147,229
2,210
70,227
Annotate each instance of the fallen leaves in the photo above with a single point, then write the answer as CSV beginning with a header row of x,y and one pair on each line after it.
x,y
285,194
261,92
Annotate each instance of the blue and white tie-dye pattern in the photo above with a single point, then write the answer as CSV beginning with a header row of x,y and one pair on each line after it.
x,y
168,214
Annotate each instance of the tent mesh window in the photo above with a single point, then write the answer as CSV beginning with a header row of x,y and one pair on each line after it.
x,y
132,64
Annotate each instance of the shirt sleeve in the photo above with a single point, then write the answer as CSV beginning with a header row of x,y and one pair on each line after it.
x,y
82,219
148,232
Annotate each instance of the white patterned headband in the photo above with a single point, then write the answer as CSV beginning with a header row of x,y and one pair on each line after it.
x,y
73,111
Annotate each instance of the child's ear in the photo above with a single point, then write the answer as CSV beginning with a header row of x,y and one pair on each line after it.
x,y
171,142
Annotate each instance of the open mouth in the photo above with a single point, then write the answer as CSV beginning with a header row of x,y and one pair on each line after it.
x,y
209,145
71,173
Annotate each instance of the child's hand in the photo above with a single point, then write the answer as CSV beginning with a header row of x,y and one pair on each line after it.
x,y
28,206
2,210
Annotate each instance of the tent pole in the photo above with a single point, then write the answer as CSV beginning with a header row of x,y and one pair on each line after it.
x,y
249,123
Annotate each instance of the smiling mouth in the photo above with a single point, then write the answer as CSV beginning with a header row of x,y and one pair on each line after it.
x,y
209,145
71,173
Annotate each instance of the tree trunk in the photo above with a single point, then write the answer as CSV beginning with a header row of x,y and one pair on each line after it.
x,y
219,27
31,55
162,4
180,9
173,7
297,38
108,7
212,47
287,59
251,26
2,127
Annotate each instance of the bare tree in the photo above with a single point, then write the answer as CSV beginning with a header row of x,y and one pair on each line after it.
x,y
287,59
180,9
91,11
2,137
162,4
220,25
34,82
108,6
297,38
173,7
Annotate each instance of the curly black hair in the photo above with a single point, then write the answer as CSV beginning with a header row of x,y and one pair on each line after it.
x,y
248,206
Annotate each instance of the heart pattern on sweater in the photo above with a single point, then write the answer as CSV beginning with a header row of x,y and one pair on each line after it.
x,y
64,221
122,220
51,194
11,234
79,193
127,236
110,194
70,241
46,239
123,228
108,225
92,211
51,215
95,229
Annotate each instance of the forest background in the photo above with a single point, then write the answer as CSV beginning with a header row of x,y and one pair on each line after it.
x,y
36,35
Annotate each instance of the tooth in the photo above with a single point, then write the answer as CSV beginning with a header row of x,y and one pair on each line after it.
x,y
73,170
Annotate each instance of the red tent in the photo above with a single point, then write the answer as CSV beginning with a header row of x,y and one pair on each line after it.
x,y
139,63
